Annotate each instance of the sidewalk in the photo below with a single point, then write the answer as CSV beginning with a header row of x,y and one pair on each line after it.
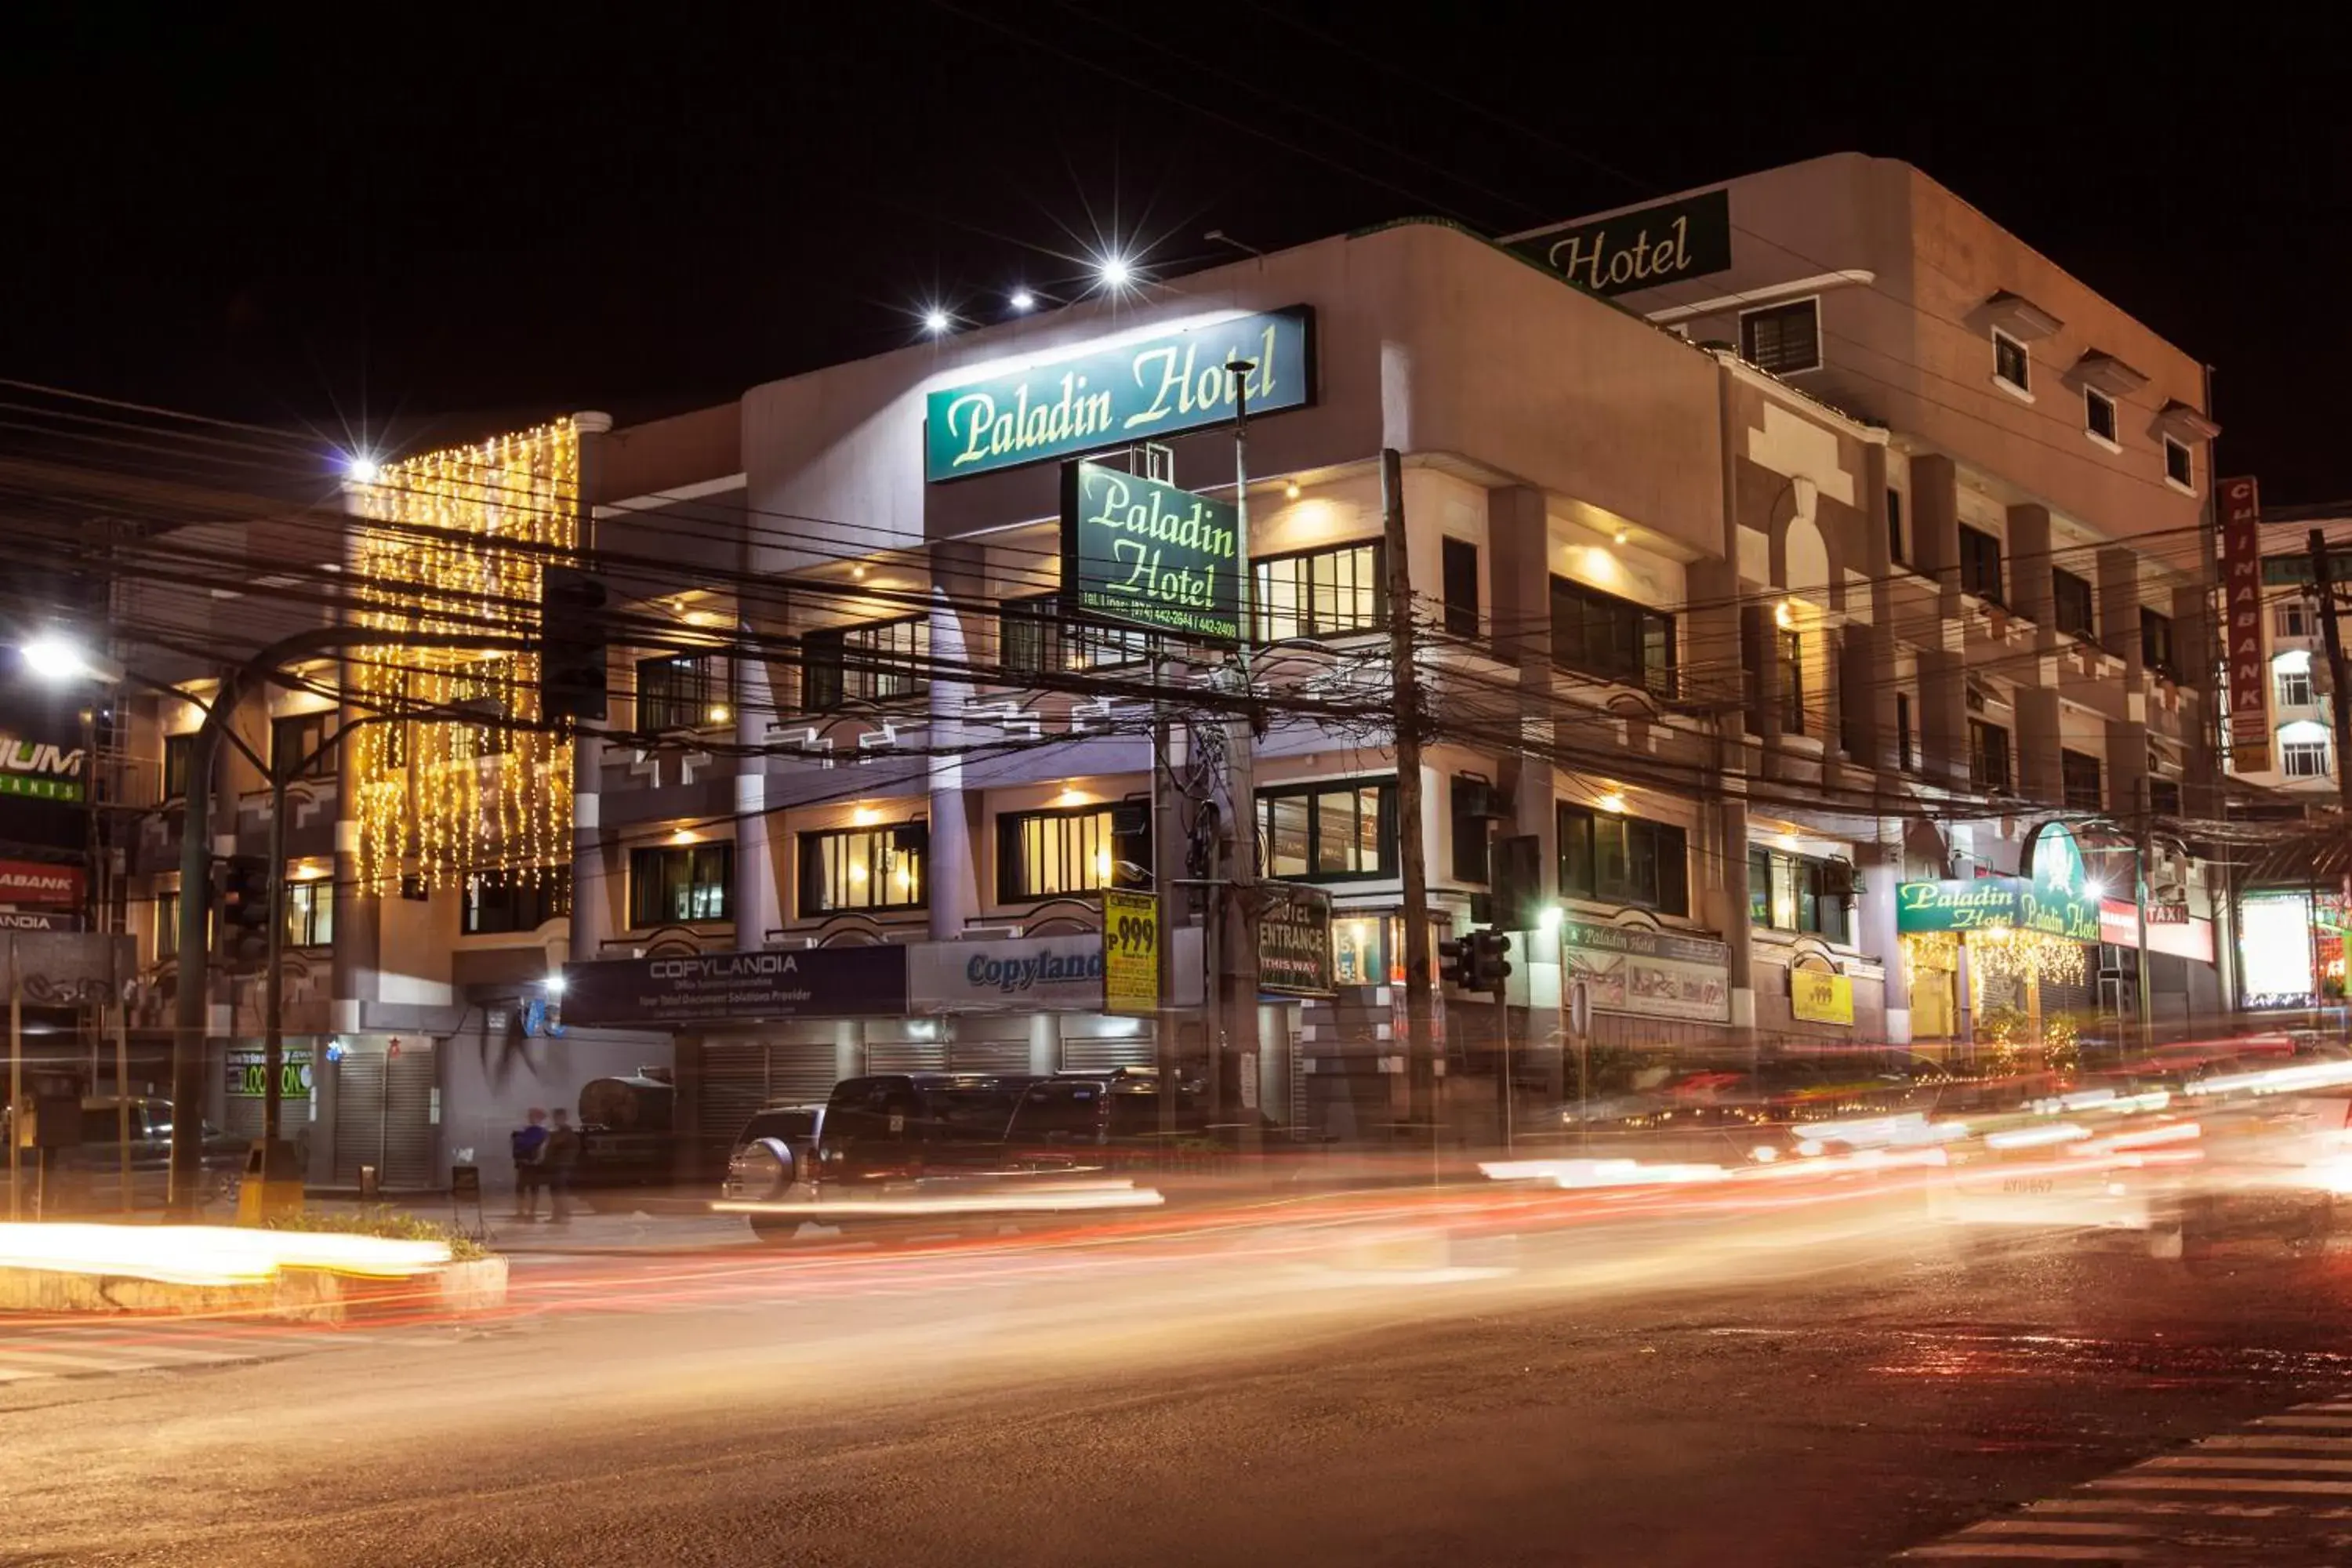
x,y
680,1223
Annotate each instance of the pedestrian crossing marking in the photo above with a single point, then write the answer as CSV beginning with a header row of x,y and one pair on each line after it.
x,y
2278,1487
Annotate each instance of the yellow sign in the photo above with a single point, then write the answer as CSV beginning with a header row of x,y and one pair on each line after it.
x,y
1819,998
1130,954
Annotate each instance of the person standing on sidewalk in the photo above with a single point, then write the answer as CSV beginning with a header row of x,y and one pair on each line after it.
x,y
559,1158
528,1142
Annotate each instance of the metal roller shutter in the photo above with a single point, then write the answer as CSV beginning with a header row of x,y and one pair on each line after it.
x,y
738,1077
989,1056
383,1117
906,1056
1098,1053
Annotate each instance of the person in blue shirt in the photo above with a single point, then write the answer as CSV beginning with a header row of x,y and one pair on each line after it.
x,y
529,1143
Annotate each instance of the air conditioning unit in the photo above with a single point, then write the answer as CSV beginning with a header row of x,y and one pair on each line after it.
x,y
1838,878
1476,797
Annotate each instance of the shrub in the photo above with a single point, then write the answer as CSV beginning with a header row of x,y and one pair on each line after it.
x,y
382,1220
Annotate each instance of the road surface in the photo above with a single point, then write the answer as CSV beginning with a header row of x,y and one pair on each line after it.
x,y
1825,1386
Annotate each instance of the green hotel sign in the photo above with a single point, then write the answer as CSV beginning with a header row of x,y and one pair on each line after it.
x,y
1135,550
2057,897
1140,391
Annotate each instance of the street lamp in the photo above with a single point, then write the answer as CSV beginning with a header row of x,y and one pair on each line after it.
x,y
53,656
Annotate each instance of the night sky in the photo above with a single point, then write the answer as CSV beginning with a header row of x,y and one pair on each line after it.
x,y
442,224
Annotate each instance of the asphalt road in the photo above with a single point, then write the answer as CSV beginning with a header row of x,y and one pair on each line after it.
x,y
1823,1387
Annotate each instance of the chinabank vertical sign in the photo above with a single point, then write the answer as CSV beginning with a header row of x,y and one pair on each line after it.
x,y
2242,590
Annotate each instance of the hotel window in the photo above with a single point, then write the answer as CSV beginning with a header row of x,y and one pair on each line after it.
x,y
2099,415
1328,832
2156,643
1801,893
681,885
681,691
1601,633
1461,564
2080,783
879,662
1037,636
1611,858
2179,469
2294,672
2293,618
167,923
1791,646
2302,750
2164,797
1906,748
1046,854
1894,550
1980,563
298,748
2070,605
1319,593
2011,363
865,868
523,899
1988,758
179,755
1782,339
310,913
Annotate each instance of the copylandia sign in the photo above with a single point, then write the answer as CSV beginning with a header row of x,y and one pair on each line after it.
x,y
1100,397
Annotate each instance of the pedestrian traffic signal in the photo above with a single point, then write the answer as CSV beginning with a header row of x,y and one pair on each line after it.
x,y
241,915
1453,963
572,635
1488,966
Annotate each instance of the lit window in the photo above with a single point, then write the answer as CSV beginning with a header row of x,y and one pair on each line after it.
x,y
863,868
672,887
1037,637
1329,832
1046,854
310,913
2302,750
2294,674
1612,858
681,691
1319,593
878,662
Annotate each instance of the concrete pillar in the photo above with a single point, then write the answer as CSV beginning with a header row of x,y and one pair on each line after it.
x,y
2029,565
1723,903
1518,551
2119,603
1943,685
757,901
2192,642
1881,874
2039,774
592,894
958,574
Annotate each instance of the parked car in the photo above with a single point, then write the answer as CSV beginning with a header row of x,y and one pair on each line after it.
x,y
87,1176
776,1149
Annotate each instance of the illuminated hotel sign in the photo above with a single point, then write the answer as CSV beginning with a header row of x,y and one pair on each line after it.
x,y
2057,900
1135,550
1687,238
1097,398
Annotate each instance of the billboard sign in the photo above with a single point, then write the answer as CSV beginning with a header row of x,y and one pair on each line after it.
x,y
705,987
1147,389
1135,550
2241,623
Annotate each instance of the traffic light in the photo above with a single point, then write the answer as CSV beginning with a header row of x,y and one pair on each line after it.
x,y
1453,963
241,916
1518,882
1488,966
573,633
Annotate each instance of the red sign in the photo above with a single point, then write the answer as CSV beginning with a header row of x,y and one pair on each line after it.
x,y
39,882
2241,620
2169,930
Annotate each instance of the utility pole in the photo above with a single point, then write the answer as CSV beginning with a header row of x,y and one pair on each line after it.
x,y
1236,971
2339,700
1412,847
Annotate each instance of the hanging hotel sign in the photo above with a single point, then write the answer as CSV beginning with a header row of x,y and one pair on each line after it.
x,y
2241,597
701,987
1816,996
2038,903
1141,390
1656,973
1137,550
1294,941
1687,238
1130,954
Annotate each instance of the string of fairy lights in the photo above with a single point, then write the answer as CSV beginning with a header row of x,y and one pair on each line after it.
x,y
463,528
